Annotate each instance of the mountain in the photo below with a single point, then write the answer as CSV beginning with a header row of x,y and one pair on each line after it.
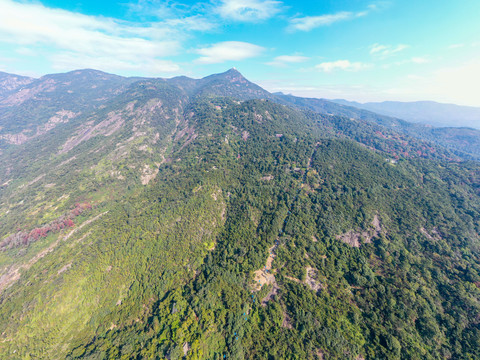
x,y
425,112
228,84
41,104
463,141
10,83
209,219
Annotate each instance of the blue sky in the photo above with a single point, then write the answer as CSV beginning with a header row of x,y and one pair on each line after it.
x,y
358,50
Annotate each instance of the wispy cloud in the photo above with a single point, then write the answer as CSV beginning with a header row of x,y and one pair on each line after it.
x,y
284,60
418,60
228,51
154,10
70,60
75,40
345,65
380,5
384,51
308,23
190,23
249,10
456,46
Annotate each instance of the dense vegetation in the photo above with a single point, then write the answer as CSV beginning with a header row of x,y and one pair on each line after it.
x,y
463,142
369,240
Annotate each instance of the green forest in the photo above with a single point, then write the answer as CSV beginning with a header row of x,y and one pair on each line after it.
x,y
268,233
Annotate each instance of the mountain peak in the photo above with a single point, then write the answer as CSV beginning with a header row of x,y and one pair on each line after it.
x,y
231,74
232,70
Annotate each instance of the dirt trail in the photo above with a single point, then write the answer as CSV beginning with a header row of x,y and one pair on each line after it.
x,y
266,275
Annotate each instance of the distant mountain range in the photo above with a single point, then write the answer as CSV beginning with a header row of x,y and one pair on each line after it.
x,y
425,112
462,139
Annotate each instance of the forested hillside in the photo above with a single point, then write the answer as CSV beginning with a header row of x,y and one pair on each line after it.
x,y
205,219
425,112
463,141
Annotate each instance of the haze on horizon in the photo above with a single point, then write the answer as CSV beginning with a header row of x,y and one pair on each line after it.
x,y
358,50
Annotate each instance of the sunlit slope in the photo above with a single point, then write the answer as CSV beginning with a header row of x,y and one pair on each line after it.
x,y
361,251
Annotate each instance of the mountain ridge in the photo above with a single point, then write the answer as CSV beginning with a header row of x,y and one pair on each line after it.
x,y
178,219
427,112
229,83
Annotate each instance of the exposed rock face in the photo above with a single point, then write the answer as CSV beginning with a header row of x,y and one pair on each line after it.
x,y
357,238
29,93
265,276
148,174
351,238
62,116
10,83
433,235
186,348
16,139
312,279
106,127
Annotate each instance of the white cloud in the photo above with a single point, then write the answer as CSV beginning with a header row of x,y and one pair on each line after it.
x,y
283,60
249,10
380,5
345,65
308,23
228,51
384,51
68,61
456,46
173,12
376,48
458,84
78,39
191,23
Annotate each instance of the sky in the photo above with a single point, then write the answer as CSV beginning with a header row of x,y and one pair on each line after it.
x,y
403,50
